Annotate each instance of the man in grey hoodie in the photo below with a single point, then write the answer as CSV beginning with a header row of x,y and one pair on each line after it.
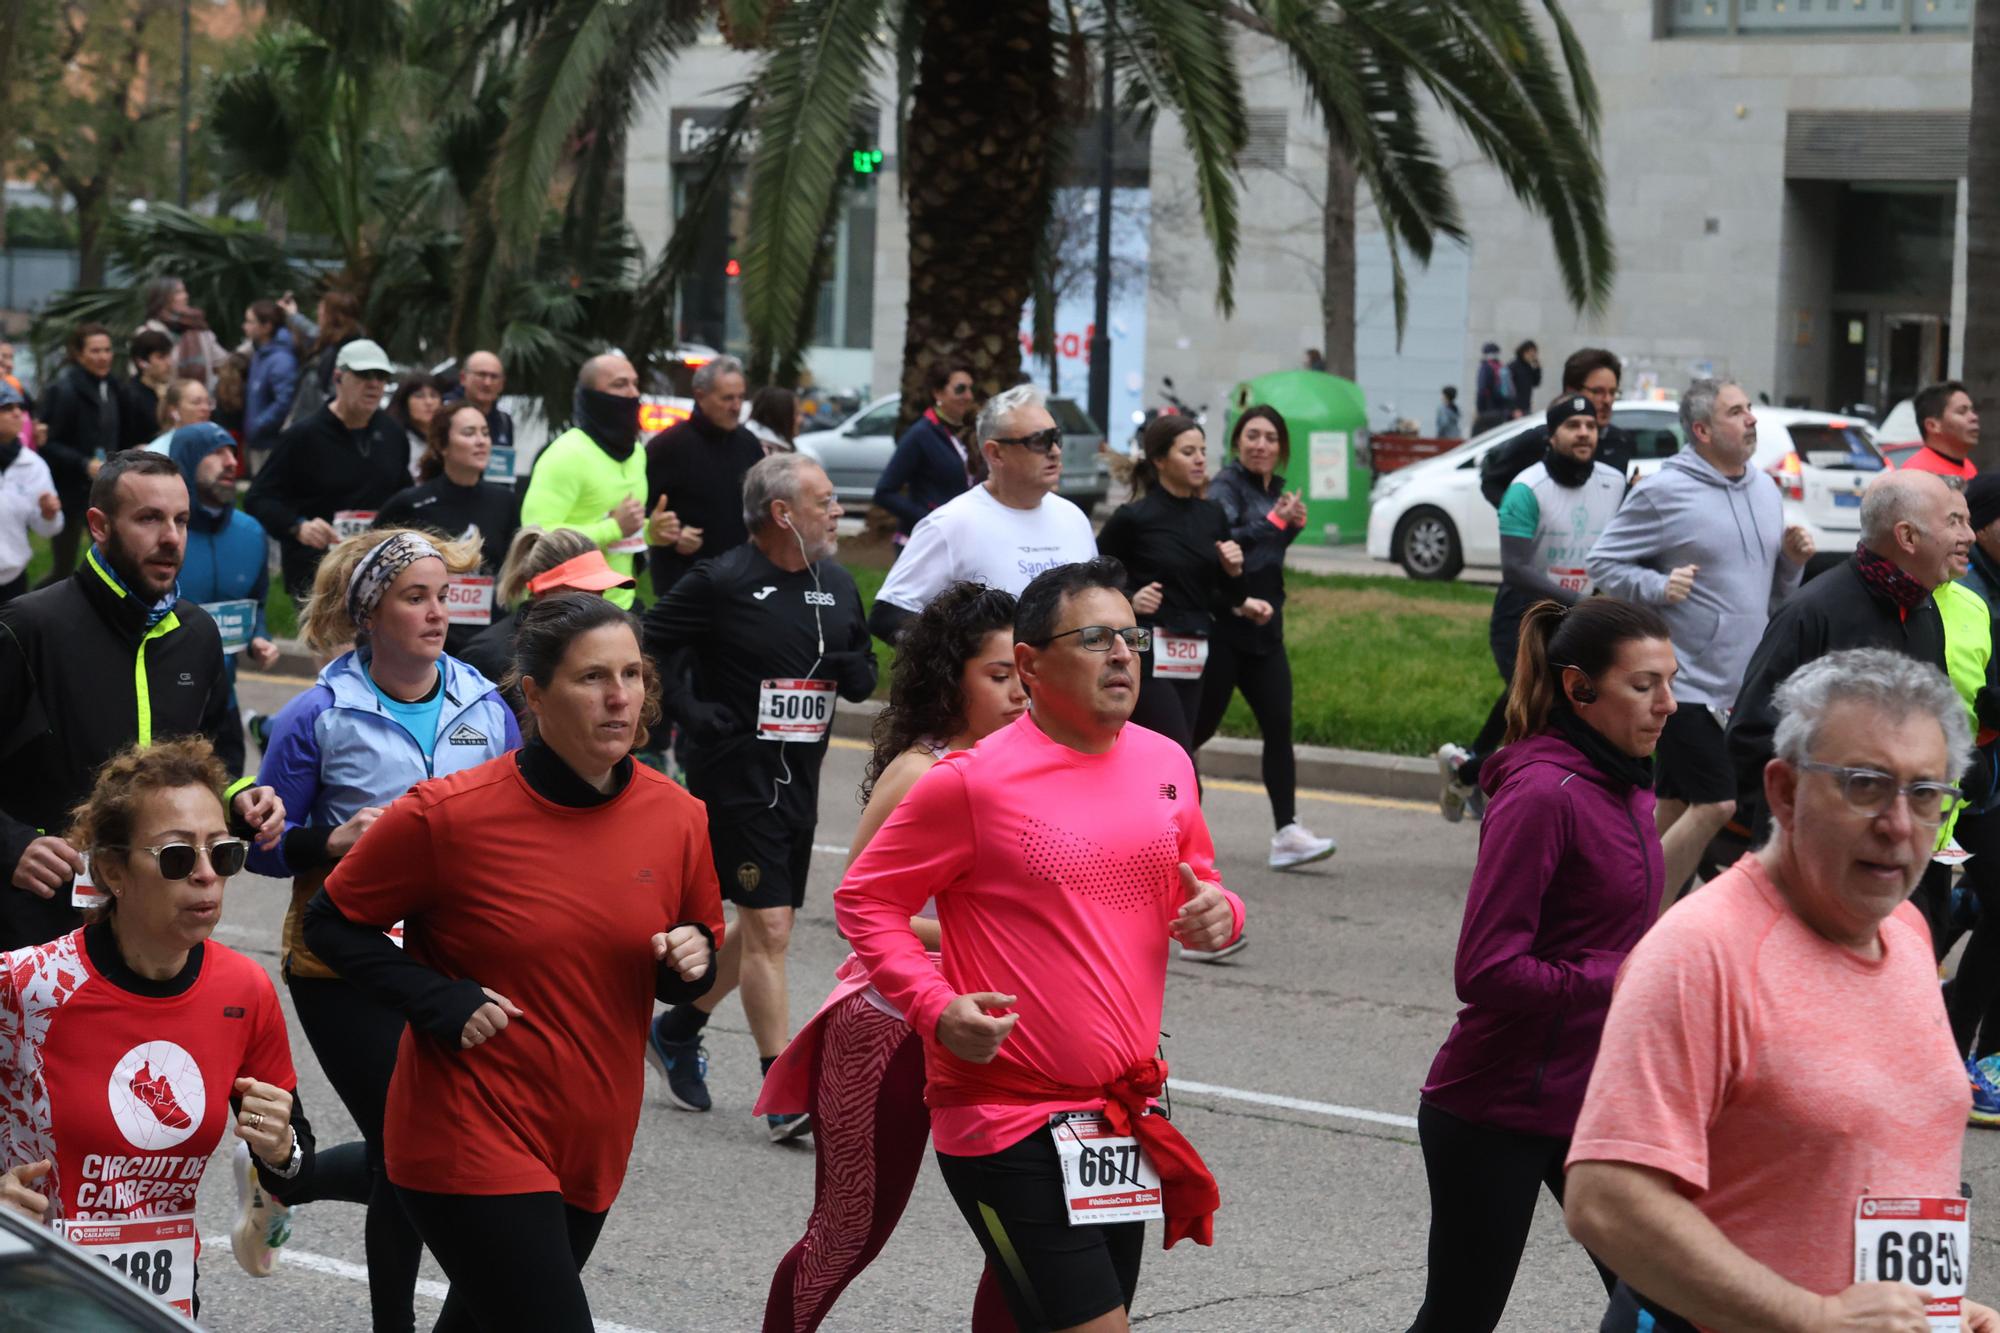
x,y
1704,539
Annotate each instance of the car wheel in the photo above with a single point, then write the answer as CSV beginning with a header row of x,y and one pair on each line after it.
x,y
1426,545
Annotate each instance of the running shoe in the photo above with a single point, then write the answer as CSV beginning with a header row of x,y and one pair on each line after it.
x,y
1212,955
785,1128
259,726
684,1065
1985,1111
263,1225
1297,845
1455,797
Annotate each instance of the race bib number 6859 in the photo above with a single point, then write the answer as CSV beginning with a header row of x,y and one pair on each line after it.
x,y
1925,1243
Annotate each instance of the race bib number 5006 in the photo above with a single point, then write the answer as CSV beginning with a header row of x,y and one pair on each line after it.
x,y
794,710
1923,1242
155,1253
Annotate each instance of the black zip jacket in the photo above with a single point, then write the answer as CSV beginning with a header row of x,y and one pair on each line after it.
x,y
730,624
699,467
1170,541
1837,610
442,506
1248,503
71,657
318,468
83,418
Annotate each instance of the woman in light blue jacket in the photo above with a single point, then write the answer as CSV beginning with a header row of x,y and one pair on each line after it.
x,y
383,716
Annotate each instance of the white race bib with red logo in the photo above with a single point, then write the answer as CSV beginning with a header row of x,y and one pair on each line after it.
x,y
156,1254
468,600
1179,656
794,710
1106,1177
352,522
633,545
1926,1243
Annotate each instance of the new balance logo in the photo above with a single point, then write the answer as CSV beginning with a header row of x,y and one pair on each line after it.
x,y
764,591
1169,792
466,734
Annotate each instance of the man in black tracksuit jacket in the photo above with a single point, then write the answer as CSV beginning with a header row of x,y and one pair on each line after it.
x,y
72,657
699,467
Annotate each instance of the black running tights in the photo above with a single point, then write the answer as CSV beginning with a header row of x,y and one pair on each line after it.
x,y
1266,681
514,1260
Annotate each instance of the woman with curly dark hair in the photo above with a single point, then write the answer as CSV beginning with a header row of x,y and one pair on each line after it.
x,y
858,1067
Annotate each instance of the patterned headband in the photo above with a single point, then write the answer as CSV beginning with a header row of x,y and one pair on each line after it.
x,y
378,569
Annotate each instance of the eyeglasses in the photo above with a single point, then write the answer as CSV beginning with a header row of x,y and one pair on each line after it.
x,y
176,859
1871,792
1042,441
1097,638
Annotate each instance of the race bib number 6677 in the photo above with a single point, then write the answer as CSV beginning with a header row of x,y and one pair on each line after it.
x,y
1925,1243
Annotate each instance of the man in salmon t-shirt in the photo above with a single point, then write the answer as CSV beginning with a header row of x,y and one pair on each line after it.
x,y
1950,426
1064,851
1771,1135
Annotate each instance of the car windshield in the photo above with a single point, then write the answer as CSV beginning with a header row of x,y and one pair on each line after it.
x,y
1837,445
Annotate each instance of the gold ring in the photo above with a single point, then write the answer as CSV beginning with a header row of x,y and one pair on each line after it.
x,y
256,1120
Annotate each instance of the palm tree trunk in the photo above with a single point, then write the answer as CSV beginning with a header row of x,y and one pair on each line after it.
x,y
1982,221
1336,302
977,197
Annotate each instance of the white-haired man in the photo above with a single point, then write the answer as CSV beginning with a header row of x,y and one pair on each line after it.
x,y
1002,532
697,468
1771,1137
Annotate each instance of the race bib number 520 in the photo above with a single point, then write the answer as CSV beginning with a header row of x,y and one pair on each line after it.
x,y
155,1253
1923,1242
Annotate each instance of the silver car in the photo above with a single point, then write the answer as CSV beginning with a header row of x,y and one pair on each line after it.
x,y
49,1285
855,452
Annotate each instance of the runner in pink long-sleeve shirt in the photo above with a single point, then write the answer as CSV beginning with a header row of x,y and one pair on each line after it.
x,y
1063,852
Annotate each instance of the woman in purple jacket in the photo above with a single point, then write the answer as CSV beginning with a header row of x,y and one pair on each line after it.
x,y
1569,876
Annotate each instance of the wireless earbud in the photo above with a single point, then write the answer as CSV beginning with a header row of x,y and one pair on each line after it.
x,y
1583,694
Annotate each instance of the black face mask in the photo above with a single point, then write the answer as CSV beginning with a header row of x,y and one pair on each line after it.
x,y
612,420
1566,471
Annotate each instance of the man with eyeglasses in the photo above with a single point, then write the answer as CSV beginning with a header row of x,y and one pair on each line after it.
x,y
108,657
332,470
753,648
1592,372
1772,1133
931,464
482,382
1001,533
1915,534
1064,851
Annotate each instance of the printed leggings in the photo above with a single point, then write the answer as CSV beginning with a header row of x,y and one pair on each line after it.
x,y
870,1126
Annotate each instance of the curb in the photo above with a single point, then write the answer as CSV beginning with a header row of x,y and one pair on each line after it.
x,y
1356,772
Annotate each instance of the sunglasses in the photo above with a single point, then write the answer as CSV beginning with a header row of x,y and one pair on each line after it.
x,y
176,859
1097,638
1042,441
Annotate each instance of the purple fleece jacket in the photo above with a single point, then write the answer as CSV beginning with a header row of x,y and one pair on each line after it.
x,y
1568,878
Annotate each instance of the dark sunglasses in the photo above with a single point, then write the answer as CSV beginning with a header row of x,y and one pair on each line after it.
x,y
1042,441
176,859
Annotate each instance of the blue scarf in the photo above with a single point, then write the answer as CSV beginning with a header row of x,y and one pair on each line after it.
x,y
154,614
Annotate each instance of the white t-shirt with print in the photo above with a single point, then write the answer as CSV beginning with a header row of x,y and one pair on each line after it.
x,y
973,537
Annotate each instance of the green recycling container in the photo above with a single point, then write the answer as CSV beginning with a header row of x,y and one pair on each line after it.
x,y
1327,420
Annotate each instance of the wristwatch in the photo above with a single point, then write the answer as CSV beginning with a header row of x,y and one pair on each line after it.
x,y
293,1164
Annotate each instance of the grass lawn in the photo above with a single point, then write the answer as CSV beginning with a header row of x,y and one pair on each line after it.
x,y
1377,663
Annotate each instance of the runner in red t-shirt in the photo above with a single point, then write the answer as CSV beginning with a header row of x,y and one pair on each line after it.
x,y
129,1045
550,896
1950,425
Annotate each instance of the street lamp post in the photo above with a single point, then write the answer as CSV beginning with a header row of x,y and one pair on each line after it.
x,y
1100,335
187,79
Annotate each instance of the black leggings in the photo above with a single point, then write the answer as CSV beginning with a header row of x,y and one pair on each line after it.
x,y
1266,681
514,1260
1483,1185
354,1038
1503,638
1973,997
1166,705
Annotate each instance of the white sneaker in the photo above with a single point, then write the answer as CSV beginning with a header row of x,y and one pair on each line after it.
x,y
263,1225
1212,955
1454,796
1297,845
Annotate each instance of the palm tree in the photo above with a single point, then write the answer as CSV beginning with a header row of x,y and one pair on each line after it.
x,y
989,94
1981,370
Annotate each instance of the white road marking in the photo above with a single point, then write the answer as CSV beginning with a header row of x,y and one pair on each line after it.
x,y
340,1268
833,847
1295,1104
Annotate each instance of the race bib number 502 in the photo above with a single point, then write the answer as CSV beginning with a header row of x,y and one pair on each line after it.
x,y
1923,1242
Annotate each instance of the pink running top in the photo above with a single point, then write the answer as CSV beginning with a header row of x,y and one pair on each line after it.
x,y
1056,875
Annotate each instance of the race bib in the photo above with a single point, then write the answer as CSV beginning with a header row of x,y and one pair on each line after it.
x,y
794,710
352,522
633,545
468,600
1570,579
395,934
156,1254
500,463
83,890
1924,1242
1106,1177
236,620
1179,656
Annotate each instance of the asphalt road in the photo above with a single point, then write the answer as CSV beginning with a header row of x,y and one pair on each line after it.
x,y
1334,1011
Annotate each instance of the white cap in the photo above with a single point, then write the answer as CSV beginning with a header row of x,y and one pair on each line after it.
x,y
364,355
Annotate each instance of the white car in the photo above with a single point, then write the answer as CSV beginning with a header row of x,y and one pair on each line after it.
x,y
1431,519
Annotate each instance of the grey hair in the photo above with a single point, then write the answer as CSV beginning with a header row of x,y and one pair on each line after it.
x,y
1894,686
993,416
1892,498
775,477
705,378
1698,403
